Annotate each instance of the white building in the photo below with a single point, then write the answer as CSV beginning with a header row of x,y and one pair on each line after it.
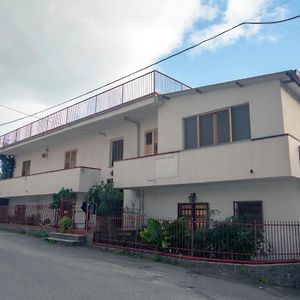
x,y
231,147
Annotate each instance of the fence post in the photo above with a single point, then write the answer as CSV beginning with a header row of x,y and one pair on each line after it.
x,y
255,239
192,237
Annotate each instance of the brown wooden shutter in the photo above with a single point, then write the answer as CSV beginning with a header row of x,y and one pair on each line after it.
x,y
70,159
26,168
151,142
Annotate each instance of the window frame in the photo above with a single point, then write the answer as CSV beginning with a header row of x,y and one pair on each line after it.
x,y
154,144
111,161
26,170
260,202
215,131
66,167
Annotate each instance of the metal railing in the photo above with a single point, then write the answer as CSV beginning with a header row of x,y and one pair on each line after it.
x,y
41,215
150,83
269,242
34,215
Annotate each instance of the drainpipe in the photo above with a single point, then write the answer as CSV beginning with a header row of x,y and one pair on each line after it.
x,y
138,127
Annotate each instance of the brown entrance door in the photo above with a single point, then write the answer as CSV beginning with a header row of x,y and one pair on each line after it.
x,y
198,212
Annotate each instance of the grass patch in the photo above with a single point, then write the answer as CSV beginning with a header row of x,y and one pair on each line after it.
x,y
264,281
128,253
157,258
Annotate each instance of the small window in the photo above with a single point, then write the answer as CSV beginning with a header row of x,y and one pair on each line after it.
x,y
26,168
110,181
248,211
70,159
117,148
151,145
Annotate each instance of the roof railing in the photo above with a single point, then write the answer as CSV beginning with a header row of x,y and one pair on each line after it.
x,y
145,85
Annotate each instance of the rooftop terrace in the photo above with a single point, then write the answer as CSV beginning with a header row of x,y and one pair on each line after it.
x,y
146,85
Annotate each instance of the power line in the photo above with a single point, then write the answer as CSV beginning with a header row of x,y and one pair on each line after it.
x,y
156,63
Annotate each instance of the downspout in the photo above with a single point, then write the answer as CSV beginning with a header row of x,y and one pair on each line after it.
x,y
138,127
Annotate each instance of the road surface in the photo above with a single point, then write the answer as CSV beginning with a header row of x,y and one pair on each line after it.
x,y
33,269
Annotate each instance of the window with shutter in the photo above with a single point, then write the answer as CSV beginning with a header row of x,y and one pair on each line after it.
x,y
117,149
70,159
151,142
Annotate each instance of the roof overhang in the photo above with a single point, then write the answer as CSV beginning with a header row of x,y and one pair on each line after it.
x,y
291,78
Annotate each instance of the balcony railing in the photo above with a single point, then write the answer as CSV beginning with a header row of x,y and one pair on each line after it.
x,y
150,83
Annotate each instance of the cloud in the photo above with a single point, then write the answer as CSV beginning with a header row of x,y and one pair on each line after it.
x,y
53,50
237,11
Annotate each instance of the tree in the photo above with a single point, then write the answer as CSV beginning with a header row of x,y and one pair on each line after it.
x,y
7,165
107,200
64,194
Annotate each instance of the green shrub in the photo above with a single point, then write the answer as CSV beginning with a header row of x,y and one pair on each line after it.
x,y
156,233
229,239
65,224
167,234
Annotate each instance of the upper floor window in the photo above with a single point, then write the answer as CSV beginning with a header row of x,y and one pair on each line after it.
x,y
150,143
224,126
26,167
70,159
117,149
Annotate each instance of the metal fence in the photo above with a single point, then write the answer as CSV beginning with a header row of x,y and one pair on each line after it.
x,y
35,215
42,215
150,83
269,242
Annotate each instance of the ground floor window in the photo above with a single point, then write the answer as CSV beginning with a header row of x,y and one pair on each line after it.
x,y
198,212
248,211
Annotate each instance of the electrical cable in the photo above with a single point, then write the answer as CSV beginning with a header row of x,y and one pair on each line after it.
x,y
155,63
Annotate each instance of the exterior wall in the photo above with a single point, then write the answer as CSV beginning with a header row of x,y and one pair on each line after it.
x,y
280,198
291,113
78,179
266,158
294,148
31,200
265,111
93,149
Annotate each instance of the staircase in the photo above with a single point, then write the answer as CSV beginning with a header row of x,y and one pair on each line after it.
x,y
67,239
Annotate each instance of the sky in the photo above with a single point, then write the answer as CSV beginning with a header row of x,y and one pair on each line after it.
x,y
54,50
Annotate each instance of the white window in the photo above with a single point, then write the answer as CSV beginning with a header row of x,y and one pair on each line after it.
x,y
224,126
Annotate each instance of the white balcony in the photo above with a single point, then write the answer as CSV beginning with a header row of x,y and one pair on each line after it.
x,y
265,158
79,179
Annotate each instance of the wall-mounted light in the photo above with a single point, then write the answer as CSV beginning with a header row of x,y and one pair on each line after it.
x,y
192,197
45,153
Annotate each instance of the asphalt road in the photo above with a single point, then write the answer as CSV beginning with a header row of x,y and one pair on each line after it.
x,y
31,268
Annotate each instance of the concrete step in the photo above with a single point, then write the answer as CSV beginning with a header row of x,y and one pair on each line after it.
x,y
68,236
64,242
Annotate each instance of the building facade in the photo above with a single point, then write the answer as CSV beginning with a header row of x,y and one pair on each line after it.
x,y
231,148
